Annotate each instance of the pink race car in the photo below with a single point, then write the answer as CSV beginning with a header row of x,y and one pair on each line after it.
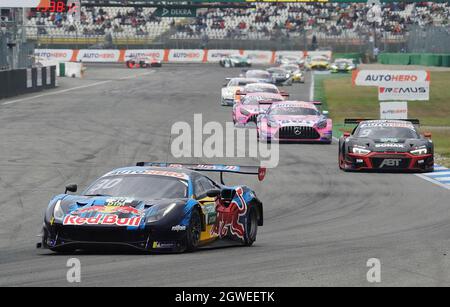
x,y
295,121
251,105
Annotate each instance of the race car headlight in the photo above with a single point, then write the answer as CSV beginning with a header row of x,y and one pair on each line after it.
x,y
419,151
322,124
351,67
160,213
334,67
245,112
58,212
360,151
288,76
272,123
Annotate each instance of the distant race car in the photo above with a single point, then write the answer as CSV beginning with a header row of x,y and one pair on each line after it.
x,y
290,59
235,60
280,76
319,62
261,75
297,74
386,145
259,88
342,65
251,105
295,121
234,84
143,62
155,207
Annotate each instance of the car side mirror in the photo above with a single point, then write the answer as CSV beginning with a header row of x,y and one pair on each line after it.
x,y
73,188
213,193
346,134
427,135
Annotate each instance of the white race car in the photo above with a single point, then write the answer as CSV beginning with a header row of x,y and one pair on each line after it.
x,y
233,85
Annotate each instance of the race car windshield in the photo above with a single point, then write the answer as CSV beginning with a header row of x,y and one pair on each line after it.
x,y
235,82
293,111
387,132
254,100
258,75
261,89
139,187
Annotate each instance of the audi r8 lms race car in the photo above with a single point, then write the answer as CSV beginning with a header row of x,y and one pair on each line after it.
x,y
342,65
235,61
386,145
297,74
251,105
280,76
261,75
155,207
295,121
143,62
319,62
233,85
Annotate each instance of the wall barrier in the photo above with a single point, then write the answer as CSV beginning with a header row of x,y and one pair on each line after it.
x,y
23,81
425,59
166,55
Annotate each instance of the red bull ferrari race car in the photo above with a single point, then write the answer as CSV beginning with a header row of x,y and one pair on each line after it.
x,y
155,207
295,121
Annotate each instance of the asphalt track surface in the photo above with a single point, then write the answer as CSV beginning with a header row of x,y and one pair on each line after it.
x,y
321,225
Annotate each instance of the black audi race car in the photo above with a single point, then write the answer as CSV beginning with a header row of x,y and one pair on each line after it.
x,y
155,207
386,145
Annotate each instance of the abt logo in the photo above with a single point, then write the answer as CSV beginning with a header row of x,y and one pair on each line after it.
x,y
391,163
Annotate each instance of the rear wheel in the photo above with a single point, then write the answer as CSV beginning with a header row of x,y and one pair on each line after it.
x,y
193,231
251,226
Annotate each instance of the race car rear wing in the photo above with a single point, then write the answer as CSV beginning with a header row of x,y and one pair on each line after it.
x,y
355,121
219,168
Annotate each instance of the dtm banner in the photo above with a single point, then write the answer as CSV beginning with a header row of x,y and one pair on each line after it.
x,y
394,110
409,91
383,77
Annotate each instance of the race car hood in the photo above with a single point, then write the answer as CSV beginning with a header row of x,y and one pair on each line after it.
x,y
298,120
133,212
232,89
389,144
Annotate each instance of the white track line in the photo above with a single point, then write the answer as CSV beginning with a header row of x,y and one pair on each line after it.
x,y
72,89
311,89
429,179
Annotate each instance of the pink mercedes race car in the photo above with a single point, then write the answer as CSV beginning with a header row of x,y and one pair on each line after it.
x,y
251,105
295,121
258,88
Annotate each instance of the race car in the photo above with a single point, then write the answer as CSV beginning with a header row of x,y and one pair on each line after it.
x,y
155,207
319,62
234,84
251,105
258,88
342,65
235,60
261,75
295,121
290,59
143,62
280,76
297,74
386,145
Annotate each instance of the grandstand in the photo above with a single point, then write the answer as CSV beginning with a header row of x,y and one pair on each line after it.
x,y
320,24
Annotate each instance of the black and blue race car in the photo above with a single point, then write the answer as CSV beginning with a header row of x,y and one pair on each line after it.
x,y
155,207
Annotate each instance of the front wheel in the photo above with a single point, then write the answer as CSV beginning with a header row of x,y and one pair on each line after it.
x,y
251,226
193,231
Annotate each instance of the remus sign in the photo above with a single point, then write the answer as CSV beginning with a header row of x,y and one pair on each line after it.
x,y
176,12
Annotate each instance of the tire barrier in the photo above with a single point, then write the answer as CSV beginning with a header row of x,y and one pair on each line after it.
x,y
23,81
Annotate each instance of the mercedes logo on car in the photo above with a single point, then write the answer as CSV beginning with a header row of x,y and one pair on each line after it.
x,y
297,131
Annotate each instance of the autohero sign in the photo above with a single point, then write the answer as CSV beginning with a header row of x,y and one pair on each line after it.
x,y
385,77
410,91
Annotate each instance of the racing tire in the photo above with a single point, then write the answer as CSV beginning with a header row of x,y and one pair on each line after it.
x,y
251,226
193,231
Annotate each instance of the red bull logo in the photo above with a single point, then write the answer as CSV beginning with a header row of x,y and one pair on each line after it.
x,y
108,219
228,219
